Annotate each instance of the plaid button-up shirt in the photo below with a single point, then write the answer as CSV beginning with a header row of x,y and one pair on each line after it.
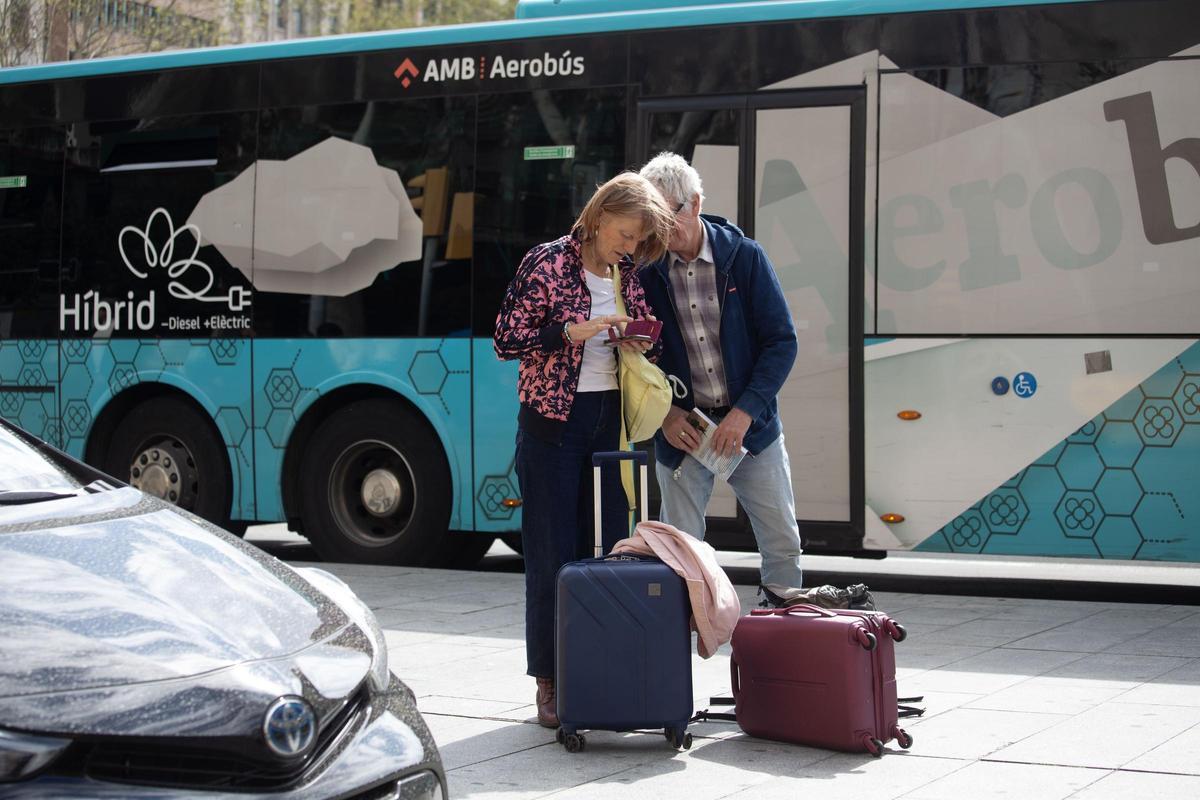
x,y
694,285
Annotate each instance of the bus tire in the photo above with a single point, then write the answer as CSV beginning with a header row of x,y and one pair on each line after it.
x,y
169,448
375,487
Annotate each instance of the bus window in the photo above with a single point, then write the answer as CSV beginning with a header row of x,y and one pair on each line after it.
x,y
30,198
30,202
416,283
524,200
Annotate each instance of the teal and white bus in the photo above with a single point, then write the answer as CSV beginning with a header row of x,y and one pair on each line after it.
x,y
261,280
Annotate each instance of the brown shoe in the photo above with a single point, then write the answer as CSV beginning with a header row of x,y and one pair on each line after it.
x,y
547,705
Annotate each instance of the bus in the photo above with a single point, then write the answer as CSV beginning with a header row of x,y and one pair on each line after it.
x,y
261,281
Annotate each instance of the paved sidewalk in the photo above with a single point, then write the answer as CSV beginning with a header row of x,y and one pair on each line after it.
x,y
1033,699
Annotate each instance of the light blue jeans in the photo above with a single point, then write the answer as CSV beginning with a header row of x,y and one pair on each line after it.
x,y
763,485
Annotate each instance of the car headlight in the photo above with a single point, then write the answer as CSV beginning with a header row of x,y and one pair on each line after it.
x,y
360,615
22,754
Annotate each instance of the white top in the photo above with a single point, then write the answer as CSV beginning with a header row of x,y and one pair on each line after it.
x,y
598,372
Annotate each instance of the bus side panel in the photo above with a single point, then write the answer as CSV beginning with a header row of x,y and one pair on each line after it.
x,y
1121,486
1073,464
292,374
27,392
212,372
495,387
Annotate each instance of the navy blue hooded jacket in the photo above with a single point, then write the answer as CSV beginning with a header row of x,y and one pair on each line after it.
x,y
758,340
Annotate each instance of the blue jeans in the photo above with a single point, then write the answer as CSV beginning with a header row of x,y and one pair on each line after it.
x,y
763,485
557,513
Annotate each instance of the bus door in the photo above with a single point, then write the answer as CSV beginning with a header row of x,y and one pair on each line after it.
x,y
788,168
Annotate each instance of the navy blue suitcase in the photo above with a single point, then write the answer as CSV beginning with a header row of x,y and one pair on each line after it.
x,y
623,643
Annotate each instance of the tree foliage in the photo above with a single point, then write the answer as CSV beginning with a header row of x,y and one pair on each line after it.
x,y
34,31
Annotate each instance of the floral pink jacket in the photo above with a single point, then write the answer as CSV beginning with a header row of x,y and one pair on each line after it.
x,y
547,293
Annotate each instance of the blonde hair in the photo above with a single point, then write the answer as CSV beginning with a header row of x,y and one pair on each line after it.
x,y
630,195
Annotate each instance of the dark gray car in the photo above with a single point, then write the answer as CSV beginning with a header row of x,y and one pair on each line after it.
x,y
146,653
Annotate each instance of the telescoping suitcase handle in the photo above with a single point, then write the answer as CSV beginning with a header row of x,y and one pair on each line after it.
x,y
615,456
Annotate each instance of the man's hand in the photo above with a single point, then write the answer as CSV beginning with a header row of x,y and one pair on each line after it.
x,y
678,431
729,434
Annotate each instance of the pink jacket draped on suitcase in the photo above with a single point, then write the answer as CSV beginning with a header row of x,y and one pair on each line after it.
x,y
715,604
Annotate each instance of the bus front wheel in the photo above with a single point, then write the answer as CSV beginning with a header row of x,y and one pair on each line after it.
x,y
375,486
168,448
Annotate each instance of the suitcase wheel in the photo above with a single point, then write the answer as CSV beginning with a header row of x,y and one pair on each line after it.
x,y
873,746
898,632
903,738
678,738
867,639
574,742
560,735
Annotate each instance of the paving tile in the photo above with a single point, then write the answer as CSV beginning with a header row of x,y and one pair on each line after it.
x,y
474,707
852,777
970,733
1139,785
936,703
1116,669
1101,631
1178,687
1181,638
1048,696
914,655
984,780
1180,754
988,631
989,671
547,769
463,741
1109,736
709,770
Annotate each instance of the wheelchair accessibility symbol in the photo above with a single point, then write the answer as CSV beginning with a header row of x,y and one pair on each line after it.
x,y
1024,385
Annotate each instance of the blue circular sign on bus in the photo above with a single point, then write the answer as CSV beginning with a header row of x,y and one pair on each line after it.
x,y
1024,385
999,385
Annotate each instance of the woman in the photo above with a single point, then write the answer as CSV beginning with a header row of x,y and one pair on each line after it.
x,y
554,318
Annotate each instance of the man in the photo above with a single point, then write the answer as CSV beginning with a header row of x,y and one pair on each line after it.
x,y
729,342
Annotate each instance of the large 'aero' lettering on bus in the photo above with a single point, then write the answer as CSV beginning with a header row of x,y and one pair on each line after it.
x,y
1150,166
987,264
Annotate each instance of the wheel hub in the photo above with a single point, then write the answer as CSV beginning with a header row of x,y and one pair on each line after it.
x,y
381,492
154,471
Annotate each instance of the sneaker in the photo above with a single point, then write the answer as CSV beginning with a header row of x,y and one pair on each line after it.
x,y
770,599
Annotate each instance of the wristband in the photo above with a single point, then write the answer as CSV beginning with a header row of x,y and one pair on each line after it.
x,y
566,335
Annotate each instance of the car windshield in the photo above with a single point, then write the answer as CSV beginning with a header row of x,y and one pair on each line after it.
x,y
25,471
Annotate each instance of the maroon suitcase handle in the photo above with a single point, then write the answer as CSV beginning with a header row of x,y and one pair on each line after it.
x,y
783,612
861,635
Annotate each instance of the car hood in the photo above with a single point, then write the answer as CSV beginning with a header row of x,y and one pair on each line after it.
x,y
125,593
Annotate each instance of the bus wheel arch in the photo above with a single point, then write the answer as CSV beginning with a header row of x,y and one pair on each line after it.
x,y
160,440
366,478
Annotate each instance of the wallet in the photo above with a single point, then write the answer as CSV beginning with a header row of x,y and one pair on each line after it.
x,y
638,330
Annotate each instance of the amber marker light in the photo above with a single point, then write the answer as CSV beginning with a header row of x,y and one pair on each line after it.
x,y
892,519
908,415
511,502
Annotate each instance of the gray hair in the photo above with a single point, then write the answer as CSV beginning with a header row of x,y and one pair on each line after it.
x,y
674,177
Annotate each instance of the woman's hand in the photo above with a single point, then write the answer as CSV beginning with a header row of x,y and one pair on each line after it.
x,y
636,347
582,331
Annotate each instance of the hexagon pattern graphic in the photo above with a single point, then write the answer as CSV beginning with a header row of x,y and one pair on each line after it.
x,y
428,372
494,489
1116,488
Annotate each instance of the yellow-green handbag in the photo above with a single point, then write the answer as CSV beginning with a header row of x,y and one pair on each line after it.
x,y
645,393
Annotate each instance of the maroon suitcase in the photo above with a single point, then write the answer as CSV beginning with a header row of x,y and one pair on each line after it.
x,y
818,677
